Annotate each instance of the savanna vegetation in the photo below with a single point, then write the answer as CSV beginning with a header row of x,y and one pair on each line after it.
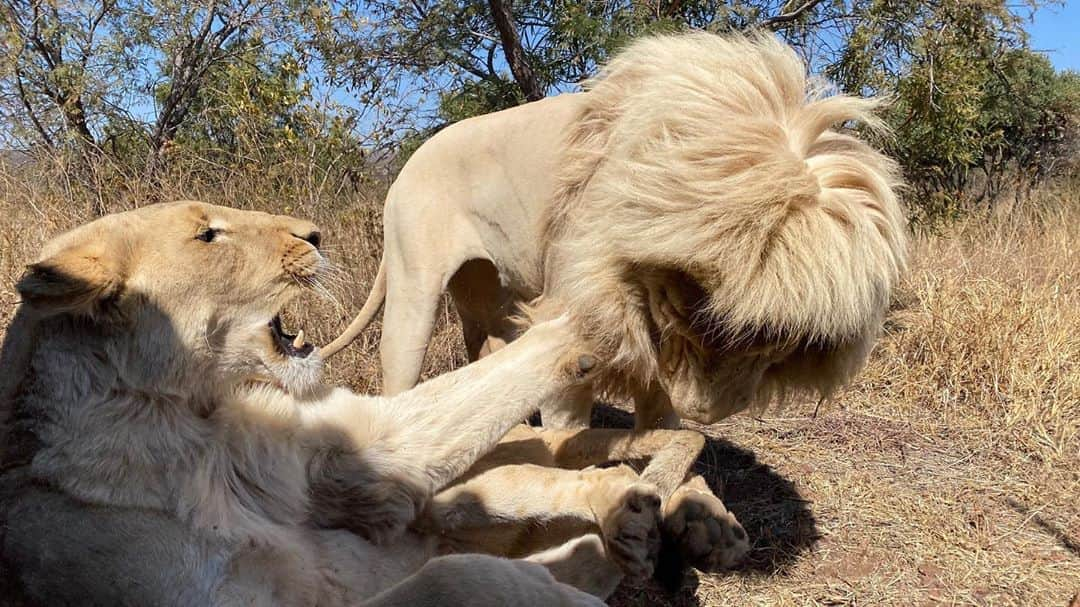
x,y
949,473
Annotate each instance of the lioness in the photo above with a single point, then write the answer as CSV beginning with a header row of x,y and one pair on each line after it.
x,y
693,212
166,442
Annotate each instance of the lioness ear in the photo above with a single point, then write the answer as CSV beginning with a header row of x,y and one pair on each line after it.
x,y
81,279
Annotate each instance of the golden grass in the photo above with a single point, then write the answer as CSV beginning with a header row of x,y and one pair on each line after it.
x,y
948,474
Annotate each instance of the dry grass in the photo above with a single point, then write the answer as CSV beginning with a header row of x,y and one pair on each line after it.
x,y
949,474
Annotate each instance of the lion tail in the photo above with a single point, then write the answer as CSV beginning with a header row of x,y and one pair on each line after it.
x,y
719,157
363,317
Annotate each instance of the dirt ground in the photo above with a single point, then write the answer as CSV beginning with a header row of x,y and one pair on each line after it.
x,y
857,508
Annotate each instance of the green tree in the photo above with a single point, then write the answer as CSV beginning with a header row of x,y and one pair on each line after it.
x,y
129,77
437,61
1029,117
257,82
426,63
60,70
966,114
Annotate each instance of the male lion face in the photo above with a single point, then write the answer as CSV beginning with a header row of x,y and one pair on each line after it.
x,y
187,289
711,371
708,372
660,328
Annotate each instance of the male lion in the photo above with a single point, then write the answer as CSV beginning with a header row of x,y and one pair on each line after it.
x,y
693,212
165,442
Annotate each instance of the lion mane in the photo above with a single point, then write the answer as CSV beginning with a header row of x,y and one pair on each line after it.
x,y
749,249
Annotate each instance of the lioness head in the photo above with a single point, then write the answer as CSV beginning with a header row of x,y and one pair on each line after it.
x,y
183,294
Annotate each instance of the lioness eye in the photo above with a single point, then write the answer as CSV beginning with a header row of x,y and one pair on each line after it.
x,y
207,234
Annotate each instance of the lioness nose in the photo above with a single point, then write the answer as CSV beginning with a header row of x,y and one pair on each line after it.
x,y
313,236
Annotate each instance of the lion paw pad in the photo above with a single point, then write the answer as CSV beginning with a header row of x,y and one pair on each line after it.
x,y
632,531
708,536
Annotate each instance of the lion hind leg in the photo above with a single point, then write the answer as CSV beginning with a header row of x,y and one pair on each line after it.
x,y
701,529
671,453
582,563
614,501
697,527
485,306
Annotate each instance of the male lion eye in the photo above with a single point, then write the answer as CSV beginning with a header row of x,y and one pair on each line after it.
x,y
207,235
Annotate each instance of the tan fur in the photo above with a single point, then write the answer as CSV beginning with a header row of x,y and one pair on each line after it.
x,y
695,524
160,449
696,213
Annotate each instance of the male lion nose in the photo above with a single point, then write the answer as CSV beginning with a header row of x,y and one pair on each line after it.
x,y
312,236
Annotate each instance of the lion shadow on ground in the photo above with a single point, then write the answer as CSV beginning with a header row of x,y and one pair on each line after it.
x,y
777,518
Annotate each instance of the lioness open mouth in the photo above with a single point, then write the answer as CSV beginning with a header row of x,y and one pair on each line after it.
x,y
287,344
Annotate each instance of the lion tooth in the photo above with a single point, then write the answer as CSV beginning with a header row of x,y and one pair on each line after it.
x,y
299,341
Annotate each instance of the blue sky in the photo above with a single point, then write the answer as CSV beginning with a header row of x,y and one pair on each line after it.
x,y
1056,32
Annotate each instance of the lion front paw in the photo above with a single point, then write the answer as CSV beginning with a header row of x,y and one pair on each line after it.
x,y
631,530
706,534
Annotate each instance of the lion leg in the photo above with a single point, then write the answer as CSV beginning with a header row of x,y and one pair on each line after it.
x,y
671,453
696,522
702,529
443,426
571,412
653,410
613,500
476,580
376,461
484,306
582,563
412,300
474,336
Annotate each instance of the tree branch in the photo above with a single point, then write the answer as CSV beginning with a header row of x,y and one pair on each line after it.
x,y
780,21
66,97
515,55
91,30
25,98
